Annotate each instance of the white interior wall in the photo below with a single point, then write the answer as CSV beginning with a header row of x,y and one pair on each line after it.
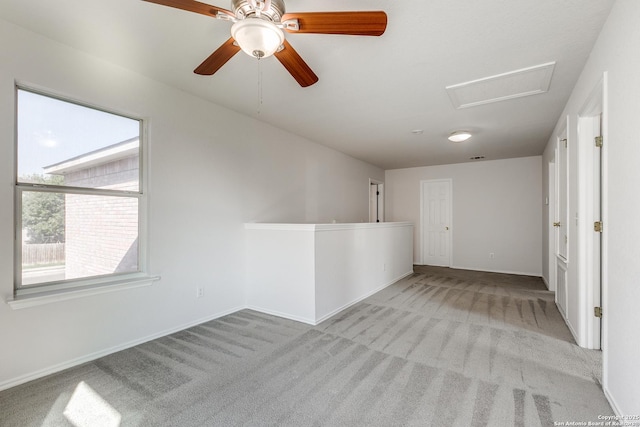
x,y
496,209
281,270
210,170
309,272
616,53
355,262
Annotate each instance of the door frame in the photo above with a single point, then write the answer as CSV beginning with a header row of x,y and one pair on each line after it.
x,y
592,262
423,233
552,210
379,200
560,262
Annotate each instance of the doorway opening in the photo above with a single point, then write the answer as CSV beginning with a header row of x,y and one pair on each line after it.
x,y
376,201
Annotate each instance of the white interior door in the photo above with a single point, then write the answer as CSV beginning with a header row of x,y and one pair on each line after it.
x,y
561,238
563,198
436,222
552,229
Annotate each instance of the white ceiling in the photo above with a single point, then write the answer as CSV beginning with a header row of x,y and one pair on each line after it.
x,y
373,91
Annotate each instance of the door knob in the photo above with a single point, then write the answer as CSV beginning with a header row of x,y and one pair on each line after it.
x,y
556,224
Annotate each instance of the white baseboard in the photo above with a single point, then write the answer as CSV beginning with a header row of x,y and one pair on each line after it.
x,y
357,300
546,282
306,320
573,332
98,354
317,321
518,273
612,402
566,321
105,352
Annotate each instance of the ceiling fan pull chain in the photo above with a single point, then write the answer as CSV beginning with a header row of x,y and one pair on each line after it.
x,y
259,86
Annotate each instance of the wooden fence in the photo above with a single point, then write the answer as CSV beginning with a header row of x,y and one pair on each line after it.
x,y
40,254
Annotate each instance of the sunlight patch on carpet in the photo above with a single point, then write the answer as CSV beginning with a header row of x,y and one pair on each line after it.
x,y
87,408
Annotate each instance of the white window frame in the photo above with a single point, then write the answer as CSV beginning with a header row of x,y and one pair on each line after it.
x,y
43,293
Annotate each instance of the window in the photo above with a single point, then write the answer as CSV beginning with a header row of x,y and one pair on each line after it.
x,y
78,194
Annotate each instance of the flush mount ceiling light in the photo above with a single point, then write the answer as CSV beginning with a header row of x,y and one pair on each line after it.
x,y
257,37
459,136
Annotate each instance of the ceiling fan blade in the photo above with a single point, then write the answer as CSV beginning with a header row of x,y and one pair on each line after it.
x,y
296,65
349,23
218,58
193,6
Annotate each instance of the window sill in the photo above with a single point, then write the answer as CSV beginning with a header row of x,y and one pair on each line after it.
x,y
48,297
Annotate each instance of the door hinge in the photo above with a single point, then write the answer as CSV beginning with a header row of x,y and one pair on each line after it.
x,y
597,311
565,142
599,141
597,226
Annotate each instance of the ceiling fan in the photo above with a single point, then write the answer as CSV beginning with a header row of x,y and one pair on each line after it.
x,y
257,30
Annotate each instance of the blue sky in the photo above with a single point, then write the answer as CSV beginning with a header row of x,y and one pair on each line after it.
x,y
50,131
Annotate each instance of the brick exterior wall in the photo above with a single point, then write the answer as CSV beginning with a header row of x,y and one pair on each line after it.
x,y
101,232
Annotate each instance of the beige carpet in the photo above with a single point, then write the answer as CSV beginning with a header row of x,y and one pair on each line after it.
x,y
442,347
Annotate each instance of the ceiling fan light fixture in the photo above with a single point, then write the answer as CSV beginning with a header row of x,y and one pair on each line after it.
x,y
257,37
459,136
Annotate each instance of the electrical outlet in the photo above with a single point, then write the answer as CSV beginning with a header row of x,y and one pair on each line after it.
x,y
492,255
199,292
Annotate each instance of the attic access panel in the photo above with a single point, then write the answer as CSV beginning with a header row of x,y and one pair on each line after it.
x,y
501,87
